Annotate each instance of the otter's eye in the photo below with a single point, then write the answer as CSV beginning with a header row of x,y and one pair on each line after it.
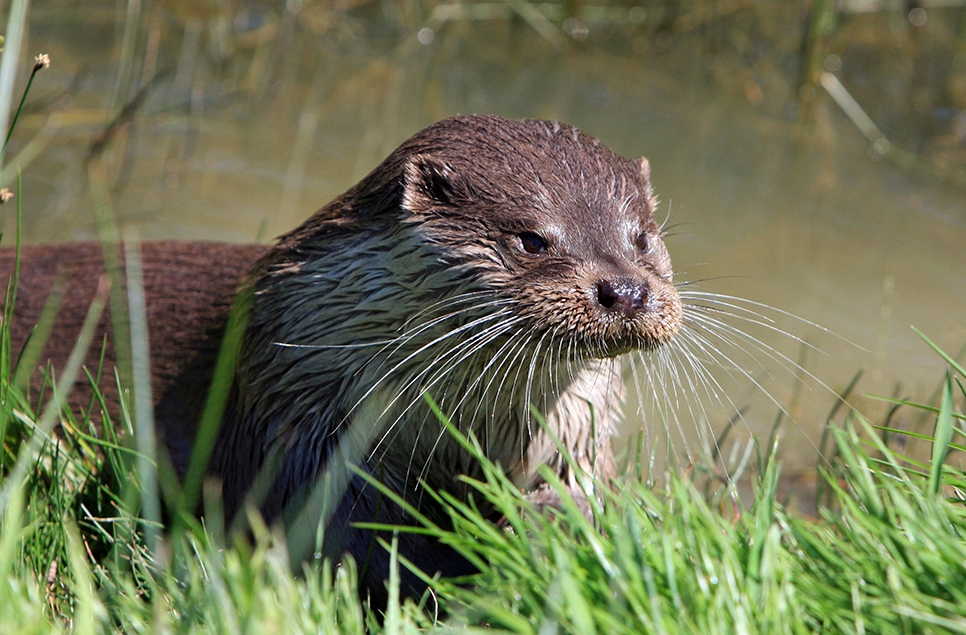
x,y
641,242
533,243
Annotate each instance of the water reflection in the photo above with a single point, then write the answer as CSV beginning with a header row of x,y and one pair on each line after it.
x,y
252,118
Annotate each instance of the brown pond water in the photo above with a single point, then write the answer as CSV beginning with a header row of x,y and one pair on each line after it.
x,y
259,115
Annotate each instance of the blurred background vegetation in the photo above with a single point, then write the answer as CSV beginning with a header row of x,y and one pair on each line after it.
x,y
810,156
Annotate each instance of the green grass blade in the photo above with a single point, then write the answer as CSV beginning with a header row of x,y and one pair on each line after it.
x,y
143,405
10,300
218,392
16,23
946,356
110,240
943,435
34,345
128,45
918,406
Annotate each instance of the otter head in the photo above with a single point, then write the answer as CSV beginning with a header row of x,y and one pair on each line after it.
x,y
553,223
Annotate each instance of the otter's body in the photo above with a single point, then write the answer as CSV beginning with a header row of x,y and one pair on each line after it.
x,y
189,288
491,264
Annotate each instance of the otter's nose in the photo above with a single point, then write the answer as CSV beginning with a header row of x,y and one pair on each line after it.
x,y
623,295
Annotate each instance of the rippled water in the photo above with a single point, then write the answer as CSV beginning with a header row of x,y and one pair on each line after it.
x,y
257,117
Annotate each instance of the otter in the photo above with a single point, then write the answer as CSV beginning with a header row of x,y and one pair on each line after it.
x,y
497,266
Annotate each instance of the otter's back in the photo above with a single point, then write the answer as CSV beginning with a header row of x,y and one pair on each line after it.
x,y
189,288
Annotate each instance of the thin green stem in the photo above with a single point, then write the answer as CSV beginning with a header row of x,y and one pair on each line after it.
x,y
23,99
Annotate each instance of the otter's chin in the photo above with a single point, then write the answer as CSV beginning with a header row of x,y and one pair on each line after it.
x,y
615,335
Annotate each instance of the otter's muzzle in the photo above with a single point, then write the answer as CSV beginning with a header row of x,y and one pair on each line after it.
x,y
627,296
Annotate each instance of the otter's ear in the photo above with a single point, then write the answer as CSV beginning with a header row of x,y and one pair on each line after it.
x,y
644,174
428,184
643,168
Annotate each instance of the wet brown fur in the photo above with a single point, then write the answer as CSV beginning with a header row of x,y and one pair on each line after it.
x,y
188,286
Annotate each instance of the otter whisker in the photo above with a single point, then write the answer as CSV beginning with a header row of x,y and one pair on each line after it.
x,y
469,326
697,311
448,302
720,328
678,349
514,342
660,391
474,343
526,340
467,390
732,337
460,351
698,380
677,387
669,384
535,358
736,302
400,340
483,343
528,384
626,202
405,338
690,335
333,346
712,388
664,227
446,372
508,352
712,441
